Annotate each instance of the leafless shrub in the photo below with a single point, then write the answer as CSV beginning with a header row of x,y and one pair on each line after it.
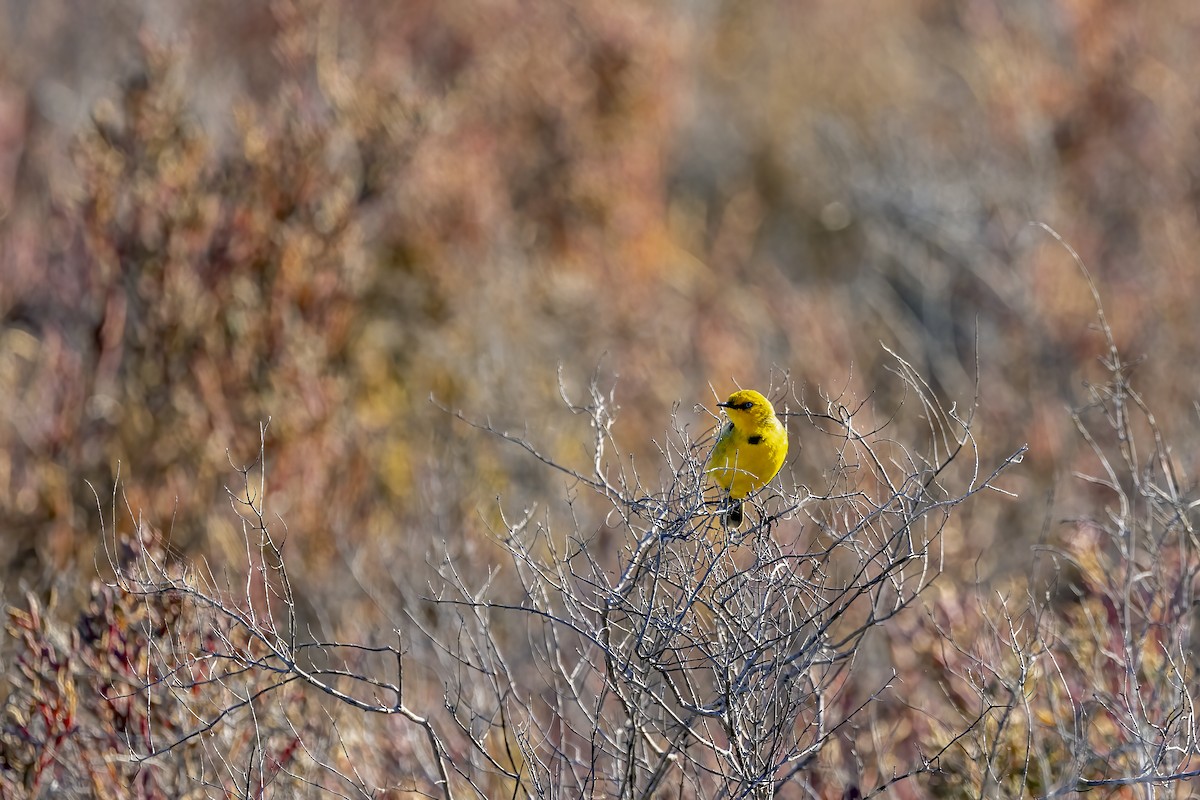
x,y
655,652
228,681
1088,682
714,664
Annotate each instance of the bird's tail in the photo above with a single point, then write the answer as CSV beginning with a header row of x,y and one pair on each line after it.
x,y
734,516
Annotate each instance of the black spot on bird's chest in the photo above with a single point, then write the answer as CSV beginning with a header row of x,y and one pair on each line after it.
x,y
755,439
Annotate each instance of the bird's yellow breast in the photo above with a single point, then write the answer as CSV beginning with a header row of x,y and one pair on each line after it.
x,y
742,463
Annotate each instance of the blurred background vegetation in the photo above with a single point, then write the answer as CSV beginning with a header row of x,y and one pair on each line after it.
x,y
329,213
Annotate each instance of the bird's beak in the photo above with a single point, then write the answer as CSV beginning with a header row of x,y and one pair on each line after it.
x,y
724,405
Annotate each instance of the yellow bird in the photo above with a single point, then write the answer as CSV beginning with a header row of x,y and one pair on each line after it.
x,y
749,451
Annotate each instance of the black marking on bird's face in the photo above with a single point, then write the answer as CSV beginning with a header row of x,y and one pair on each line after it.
x,y
755,439
746,406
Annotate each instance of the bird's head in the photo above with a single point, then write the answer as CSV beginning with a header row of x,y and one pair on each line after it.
x,y
748,407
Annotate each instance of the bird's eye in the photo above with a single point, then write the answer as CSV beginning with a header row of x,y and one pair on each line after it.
x,y
746,406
